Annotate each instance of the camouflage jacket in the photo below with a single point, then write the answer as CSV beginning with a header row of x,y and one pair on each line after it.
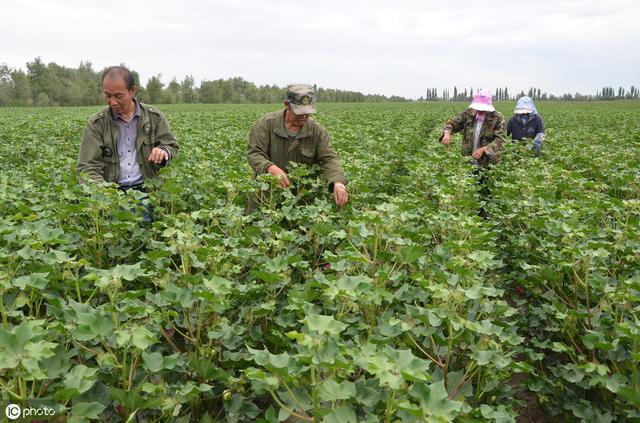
x,y
268,143
492,135
98,157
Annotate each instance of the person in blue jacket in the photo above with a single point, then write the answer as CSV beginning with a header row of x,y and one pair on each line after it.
x,y
526,123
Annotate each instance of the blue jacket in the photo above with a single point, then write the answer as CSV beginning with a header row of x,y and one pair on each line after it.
x,y
532,126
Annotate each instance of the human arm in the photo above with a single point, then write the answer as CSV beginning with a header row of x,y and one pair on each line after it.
x,y
258,148
453,125
90,156
494,148
329,162
165,143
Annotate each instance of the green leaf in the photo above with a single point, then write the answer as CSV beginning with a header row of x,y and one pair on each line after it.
x,y
484,259
434,400
153,362
142,337
128,272
53,257
412,409
614,382
34,280
341,415
329,390
483,358
265,276
411,254
218,285
87,410
23,345
132,399
324,324
94,325
630,394
262,376
366,395
498,414
81,378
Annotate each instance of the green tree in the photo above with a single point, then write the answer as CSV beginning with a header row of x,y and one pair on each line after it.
x,y
90,84
154,89
6,86
21,88
210,92
172,94
43,100
36,71
187,87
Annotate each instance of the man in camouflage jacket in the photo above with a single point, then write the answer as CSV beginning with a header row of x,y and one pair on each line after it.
x,y
291,135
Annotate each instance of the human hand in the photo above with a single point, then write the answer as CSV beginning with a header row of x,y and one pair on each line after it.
x,y
479,152
158,155
446,138
283,179
340,194
537,147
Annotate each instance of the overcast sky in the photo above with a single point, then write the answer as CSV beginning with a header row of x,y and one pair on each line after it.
x,y
375,46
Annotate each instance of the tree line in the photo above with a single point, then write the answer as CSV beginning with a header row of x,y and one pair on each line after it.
x,y
502,94
54,85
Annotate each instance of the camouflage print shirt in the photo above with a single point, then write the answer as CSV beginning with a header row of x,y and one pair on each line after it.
x,y
492,135
268,143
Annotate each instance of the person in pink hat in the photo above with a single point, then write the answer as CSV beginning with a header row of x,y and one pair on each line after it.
x,y
484,130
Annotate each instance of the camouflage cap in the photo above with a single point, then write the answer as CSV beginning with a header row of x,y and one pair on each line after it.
x,y
302,98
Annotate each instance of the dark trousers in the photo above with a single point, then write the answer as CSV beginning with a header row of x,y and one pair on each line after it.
x,y
145,202
482,175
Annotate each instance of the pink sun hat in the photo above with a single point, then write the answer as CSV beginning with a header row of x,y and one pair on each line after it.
x,y
482,101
